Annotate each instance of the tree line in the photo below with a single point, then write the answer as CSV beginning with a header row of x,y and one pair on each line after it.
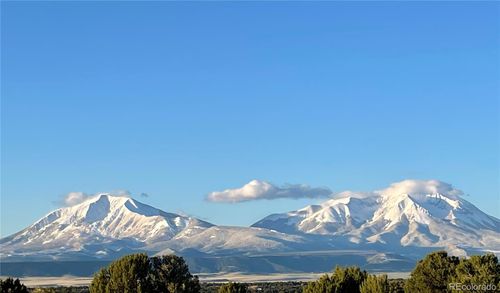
x,y
436,273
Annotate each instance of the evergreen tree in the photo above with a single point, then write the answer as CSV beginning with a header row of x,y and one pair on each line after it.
x,y
137,273
48,290
170,273
233,288
375,284
342,280
129,274
100,281
12,286
396,285
432,274
479,270
325,284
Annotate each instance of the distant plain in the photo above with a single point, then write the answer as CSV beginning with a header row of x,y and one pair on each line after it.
x,y
215,278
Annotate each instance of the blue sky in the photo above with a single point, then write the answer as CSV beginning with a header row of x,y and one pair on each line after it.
x,y
178,100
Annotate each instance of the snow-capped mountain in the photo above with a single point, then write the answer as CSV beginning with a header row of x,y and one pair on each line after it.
x,y
387,229
98,226
232,240
331,217
106,226
409,213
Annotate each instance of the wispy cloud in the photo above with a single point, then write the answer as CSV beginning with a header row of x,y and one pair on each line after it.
x,y
258,189
74,198
119,192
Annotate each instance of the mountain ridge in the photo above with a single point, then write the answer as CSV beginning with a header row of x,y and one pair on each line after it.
x,y
381,229
420,219
101,220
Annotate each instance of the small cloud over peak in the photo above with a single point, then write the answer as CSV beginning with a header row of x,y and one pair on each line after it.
x,y
76,197
119,192
258,189
420,187
354,194
408,186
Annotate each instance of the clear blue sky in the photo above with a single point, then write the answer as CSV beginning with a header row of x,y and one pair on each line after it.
x,y
180,99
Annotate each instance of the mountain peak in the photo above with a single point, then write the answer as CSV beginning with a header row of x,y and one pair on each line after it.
x,y
410,212
106,197
102,220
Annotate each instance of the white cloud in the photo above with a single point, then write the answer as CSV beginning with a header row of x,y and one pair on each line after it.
x,y
257,189
119,192
408,186
420,187
355,194
74,198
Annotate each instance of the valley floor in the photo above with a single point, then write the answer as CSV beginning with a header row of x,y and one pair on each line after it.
x,y
67,281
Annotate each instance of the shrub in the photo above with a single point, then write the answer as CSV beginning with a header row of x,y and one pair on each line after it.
x,y
233,288
375,284
44,290
397,285
12,286
342,280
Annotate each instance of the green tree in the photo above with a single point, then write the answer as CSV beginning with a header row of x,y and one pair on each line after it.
x,y
12,286
233,288
44,290
432,274
100,281
170,273
129,274
324,284
375,284
137,273
478,270
397,285
343,280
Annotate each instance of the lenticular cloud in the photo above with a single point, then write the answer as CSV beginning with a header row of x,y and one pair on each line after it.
x,y
421,187
77,197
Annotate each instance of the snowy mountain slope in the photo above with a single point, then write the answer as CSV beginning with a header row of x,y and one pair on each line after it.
x,y
99,225
105,227
331,217
408,213
386,229
241,240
